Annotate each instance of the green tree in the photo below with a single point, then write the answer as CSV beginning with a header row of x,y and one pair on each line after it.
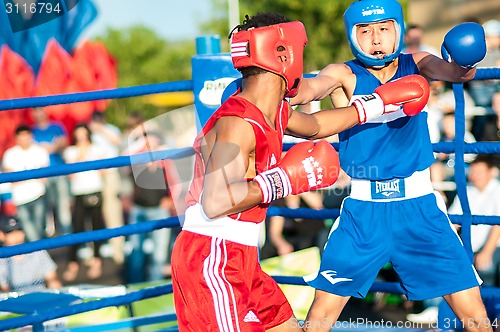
x,y
144,58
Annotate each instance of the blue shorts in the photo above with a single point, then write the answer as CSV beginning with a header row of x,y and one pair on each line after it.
x,y
415,235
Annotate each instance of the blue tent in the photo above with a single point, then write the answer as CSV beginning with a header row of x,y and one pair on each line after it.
x,y
26,27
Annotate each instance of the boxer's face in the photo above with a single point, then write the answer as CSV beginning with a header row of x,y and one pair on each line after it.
x,y
377,39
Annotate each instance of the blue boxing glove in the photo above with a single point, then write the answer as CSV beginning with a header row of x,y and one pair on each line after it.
x,y
465,44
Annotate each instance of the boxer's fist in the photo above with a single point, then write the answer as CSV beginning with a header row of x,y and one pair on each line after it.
x,y
306,166
465,44
411,91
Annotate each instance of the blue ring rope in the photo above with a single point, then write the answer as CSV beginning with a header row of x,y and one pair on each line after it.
x,y
134,91
68,98
148,226
487,74
274,211
146,157
334,213
445,147
476,147
65,169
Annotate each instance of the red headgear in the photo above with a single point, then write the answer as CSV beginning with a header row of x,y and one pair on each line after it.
x,y
278,48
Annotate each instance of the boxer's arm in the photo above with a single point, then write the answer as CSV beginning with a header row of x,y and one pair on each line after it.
x,y
321,124
411,91
320,86
434,68
225,189
464,46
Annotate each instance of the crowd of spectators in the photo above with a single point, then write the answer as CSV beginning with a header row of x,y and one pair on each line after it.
x,y
88,200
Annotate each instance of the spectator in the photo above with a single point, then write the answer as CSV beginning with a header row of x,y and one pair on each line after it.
x,y
492,33
435,109
448,135
484,199
108,138
444,101
413,41
491,132
483,91
28,195
104,134
134,120
86,187
27,272
443,169
53,137
151,200
440,119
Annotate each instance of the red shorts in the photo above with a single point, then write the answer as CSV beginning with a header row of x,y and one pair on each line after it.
x,y
219,286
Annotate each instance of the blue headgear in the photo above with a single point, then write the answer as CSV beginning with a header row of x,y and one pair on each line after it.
x,y
370,11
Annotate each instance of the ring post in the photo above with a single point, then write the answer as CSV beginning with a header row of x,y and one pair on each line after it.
x,y
208,45
212,72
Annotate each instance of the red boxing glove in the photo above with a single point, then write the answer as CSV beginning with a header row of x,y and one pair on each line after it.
x,y
306,166
411,91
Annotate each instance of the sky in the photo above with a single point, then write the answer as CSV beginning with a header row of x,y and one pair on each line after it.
x,y
170,19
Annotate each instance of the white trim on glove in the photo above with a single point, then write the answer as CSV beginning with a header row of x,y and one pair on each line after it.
x,y
274,184
369,107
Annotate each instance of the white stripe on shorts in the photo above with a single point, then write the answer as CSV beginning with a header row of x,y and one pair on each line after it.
x,y
219,287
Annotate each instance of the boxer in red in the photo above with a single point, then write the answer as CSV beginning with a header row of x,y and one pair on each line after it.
x,y
217,280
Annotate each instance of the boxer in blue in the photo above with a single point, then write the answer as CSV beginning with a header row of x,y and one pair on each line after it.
x,y
393,214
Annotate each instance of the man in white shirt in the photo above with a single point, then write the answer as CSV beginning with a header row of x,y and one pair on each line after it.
x,y
34,271
28,195
484,199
